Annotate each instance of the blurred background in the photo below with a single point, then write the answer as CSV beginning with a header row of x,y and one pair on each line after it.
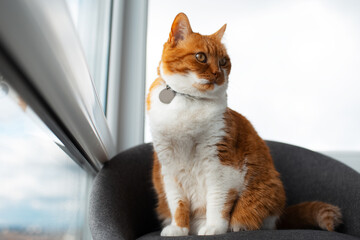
x,y
295,75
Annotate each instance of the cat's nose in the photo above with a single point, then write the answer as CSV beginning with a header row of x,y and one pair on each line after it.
x,y
216,73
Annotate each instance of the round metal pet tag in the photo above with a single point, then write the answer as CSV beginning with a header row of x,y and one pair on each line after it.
x,y
166,95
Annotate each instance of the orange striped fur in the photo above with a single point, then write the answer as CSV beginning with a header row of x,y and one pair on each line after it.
x,y
182,214
155,84
162,208
265,195
311,214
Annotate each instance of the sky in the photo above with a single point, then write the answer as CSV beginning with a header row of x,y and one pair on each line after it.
x,y
295,64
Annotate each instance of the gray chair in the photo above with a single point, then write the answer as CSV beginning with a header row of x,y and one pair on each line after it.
x,y
122,200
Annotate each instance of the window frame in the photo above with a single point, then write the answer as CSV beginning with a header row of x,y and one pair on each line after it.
x,y
53,77
42,59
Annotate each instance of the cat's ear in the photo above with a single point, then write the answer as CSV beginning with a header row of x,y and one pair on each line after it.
x,y
220,33
180,28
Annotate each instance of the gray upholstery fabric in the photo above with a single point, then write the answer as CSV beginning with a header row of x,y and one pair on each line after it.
x,y
308,176
122,200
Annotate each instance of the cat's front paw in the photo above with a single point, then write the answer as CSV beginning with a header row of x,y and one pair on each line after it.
x,y
172,230
213,229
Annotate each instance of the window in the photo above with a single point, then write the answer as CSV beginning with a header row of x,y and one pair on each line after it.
x,y
295,71
43,192
56,70
92,20
54,135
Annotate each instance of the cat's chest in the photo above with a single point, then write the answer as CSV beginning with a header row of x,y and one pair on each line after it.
x,y
196,174
191,176
184,115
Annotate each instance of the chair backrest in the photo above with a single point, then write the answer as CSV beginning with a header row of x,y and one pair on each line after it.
x,y
122,202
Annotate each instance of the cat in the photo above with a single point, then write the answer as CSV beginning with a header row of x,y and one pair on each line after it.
x,y
212,173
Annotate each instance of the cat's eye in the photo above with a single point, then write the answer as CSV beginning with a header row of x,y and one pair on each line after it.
x,y
201,57
222,62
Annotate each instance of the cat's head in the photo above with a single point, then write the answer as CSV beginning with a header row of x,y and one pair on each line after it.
x,y
195,64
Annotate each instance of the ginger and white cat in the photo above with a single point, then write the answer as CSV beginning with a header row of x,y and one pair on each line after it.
x,y
212,172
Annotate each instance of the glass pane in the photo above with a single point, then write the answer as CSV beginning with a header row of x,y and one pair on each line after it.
x,y
43,192
350,158
92,21
295,65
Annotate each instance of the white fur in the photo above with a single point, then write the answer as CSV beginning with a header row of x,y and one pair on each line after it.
x,y
185,133
173,230
202,81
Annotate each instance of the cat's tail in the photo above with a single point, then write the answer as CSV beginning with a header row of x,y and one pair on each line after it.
x,y
311,215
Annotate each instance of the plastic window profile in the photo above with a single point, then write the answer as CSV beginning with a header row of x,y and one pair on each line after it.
x,y
41,39
127,66
92,20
